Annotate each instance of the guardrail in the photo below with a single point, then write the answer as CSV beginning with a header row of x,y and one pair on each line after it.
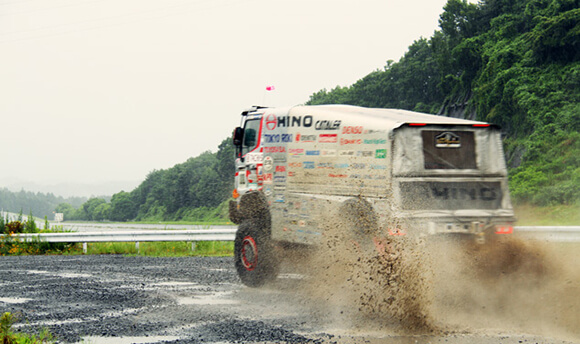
x,y
194,235
548,233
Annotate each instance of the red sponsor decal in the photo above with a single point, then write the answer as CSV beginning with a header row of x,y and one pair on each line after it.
x,y
268,178
280,168
276,149
350,142
332,175
297,137
352,130
271,121
328,138
295,164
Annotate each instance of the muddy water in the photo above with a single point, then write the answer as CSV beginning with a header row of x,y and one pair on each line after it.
x,y
441,287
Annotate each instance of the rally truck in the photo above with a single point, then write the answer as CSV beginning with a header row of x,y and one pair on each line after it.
x,y
389,172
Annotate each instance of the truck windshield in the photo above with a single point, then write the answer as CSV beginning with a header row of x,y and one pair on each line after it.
x,y
251,131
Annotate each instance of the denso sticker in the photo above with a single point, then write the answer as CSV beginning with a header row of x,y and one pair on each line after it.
x,y
352,130
328,138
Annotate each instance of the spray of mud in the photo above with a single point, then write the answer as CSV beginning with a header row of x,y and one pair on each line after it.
x,y
509,284
377,282
397,284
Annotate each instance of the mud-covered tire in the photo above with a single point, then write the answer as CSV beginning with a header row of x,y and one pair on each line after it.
x,y
255,258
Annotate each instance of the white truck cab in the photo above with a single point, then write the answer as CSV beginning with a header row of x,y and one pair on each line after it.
x,y
404,172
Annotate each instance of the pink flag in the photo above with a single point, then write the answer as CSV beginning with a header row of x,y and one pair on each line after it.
x,y
270,88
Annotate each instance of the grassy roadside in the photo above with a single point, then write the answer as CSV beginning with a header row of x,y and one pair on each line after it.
x,y
560,215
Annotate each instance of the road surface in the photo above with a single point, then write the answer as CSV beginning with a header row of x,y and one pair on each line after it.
x,y
119,299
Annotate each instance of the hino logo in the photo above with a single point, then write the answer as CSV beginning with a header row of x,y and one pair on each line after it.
x,y
290,121
483,193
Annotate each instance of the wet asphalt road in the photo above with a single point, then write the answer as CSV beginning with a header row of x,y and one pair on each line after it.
x,y
118,299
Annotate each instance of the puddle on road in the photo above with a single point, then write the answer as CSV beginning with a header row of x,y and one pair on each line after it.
x,y
213,299
127,340
63,274
14,300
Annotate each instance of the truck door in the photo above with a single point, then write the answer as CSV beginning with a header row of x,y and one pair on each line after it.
x,y
249,164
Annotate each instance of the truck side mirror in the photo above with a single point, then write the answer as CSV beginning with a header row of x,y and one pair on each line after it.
x,y
238,135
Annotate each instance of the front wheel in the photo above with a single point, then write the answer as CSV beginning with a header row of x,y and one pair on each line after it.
x,y
255,259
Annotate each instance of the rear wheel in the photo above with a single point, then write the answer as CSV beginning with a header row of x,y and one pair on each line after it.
x,y
255,259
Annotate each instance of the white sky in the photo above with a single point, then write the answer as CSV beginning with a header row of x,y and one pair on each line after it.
x,y
109,90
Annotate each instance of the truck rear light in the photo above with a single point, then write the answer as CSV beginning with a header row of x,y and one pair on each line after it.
x,y
417,124
481,125
504,229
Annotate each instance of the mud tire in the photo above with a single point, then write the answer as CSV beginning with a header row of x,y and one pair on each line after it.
x,y
254,254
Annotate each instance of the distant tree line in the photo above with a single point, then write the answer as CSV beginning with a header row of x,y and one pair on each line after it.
x,y
39,204
515,63
192,190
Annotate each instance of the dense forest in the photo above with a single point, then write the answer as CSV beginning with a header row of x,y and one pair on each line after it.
x,y
515,63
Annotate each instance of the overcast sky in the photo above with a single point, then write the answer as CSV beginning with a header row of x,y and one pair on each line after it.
x,y
109,90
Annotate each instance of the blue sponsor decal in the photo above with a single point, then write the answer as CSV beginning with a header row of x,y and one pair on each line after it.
x,y
340,165
308,165
313,152
286,137
272,138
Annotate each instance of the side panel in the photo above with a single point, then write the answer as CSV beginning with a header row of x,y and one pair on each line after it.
x,y
313,162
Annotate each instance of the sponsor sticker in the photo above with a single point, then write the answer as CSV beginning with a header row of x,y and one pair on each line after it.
x,y
268,163
346,153
327,125
375,141
328,152
268,178
313,152
328,138
275,149
280,168
309,165
381,154
254,157
307,138
366,154
352,129
296,151
350,141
